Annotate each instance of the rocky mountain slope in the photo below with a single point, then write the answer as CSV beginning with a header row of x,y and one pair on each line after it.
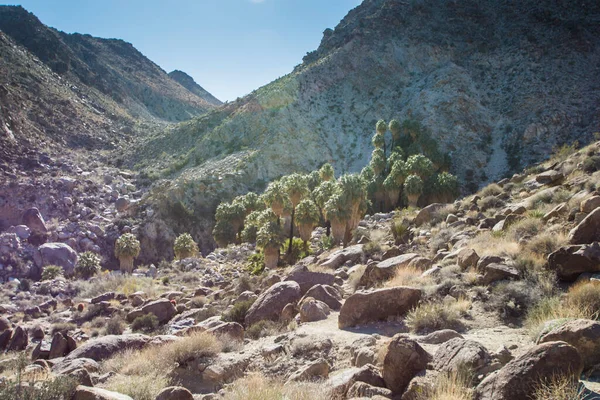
x,y
498,85
190,84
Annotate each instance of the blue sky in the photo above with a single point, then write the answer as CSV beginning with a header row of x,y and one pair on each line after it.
x,y
230,47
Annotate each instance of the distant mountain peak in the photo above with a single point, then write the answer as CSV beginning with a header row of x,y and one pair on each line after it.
x,y
190,84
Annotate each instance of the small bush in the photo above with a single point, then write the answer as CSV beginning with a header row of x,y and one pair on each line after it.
x,y
88,265
299,251
114,326
546,243
552,308
591,164
267,328
256,263
62,327
185,246
146,323
25,285
327,242
563,152
51,272
430,317
489,202
197,302
400,230
524,228
197,345
257,387
585,296
371,248
407,276
560,387
139,387
238,312
452,386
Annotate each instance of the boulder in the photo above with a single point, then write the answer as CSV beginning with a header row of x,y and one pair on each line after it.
x,y
558,210
439,337
307,279
5,339
271,302
365,307
122,204
382,271
81,376
66,367
589,205
56,254
327,294
92,393
403,359
506,222
59,346
163,309
34,221
4,324
497,272
318,369
518,378
338,258
175,393
570,261
106,346
588,230
549,177
487,260
467,258
458,355
103,297
232,330
364,390
18,341
312,310
582,334
426,214
339,384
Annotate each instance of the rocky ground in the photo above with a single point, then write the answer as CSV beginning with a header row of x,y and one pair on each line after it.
x,y
492,297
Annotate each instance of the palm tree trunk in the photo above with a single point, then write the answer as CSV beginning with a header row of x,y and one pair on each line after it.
x,y
289,250
328,226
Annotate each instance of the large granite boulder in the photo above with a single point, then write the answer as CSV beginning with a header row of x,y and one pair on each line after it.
x,y
271,302
56,254
570,261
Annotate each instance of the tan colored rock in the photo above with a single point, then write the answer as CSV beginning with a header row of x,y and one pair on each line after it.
x,y
270,303
232,330
312,310
403,359
175,393
59,346
364,307
318,369
426,214
467,258
327,294
384,270
570,261
92,393
583,334
458,355
589,205
339,384
588,230
518,378
364,390
163,309
106,346
307,279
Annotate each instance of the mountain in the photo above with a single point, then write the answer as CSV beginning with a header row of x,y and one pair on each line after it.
x,y
113,67
190,84
498,84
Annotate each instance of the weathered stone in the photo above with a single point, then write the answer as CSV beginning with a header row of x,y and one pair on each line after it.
x,y
34,221
382,271
103,297
570,261
327,294
588,230
106,346
163,309
233,330
487,260
5,338
549,177
175,393
56,254
496,272
560,209
59,346
506,222
589,205
340,257
364,390
467,258
365,307
81,376
4,324
457,355
340,383
518,378
403,359
92,393
307,279
270,303
318,369
582,334
439,337
312,310
18,340
426,214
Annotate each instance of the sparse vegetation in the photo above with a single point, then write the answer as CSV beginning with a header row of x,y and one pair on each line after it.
x,y
433,316
147,323
51,272
185,246
257,387
127,248
88,265
238,312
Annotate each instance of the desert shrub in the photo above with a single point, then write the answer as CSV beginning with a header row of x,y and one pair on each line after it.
x,y
512,299
238,312
256,263
585,296
267,328
407,276
88,265
185,246
449,386
145,323
559,387
140,387
400,230
51,272
371,248
489,202
62,327
165,280
527,227
563,152
545,243
243,284
114,326
257,387
591,164
25,285
433,316
125,284
493,189
327,242
197,302
552,308
299,250
194,346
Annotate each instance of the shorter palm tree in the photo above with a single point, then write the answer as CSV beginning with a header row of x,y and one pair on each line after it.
x,y
127,248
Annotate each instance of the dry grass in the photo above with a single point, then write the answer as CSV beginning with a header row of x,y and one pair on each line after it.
x,y
139,387
553,308
125,284
408,276
354,278
433,316
546,243
450,387
585,296
527,227
488,244
558,388
258,387
492,189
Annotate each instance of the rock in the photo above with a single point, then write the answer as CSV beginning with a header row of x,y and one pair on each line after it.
x,y
122,204
497,272
92,393
66,367
506,222
23,232
560,209
588,230
18,341
56,254
420,263
307,279
4,324
363,357
59,346
317,369
549,177
364,307
103,297
467,258
270,303
457,355
570,261
340,257
106,346
364,390
439,337
487,260
136,300
233,330
340,383
81,376
582,334
589,205
403,359
382,271
246,296
312,310
327,294
34,221
289,312
518,378
422,386
175,393
163,309
5,339
426,214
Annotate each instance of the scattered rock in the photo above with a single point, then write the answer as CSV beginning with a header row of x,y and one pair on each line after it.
x,y
588,230
317,369
403,359
269,304
549,177
457,355
175,393
57,254
467,258
92,393
327,294
582,334
497,272
427,213
382,271
106,346
570,261
589,205
18,341
340,383
439,337
340,257
34,221
163,309
307,279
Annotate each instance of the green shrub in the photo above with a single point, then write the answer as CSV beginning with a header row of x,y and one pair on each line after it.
x,y
185,246
400,230
146,323
25,285
491,190
51,272
591,164
238,312
114,326
298,251
327,242
88,265
256,263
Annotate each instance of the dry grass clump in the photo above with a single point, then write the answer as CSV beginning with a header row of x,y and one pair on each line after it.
x,y
525,228
433,316
546,243
269,328
553,308
585,296
258,387
492,189
488,244
559,387
139,387
408,276
451,386
125,284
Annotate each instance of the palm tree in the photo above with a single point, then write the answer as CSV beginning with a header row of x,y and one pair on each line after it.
x,y
338,215
274,197
414,188
127,248
326,172
396,130
420,165
270,238
296,187
307,218
321,195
